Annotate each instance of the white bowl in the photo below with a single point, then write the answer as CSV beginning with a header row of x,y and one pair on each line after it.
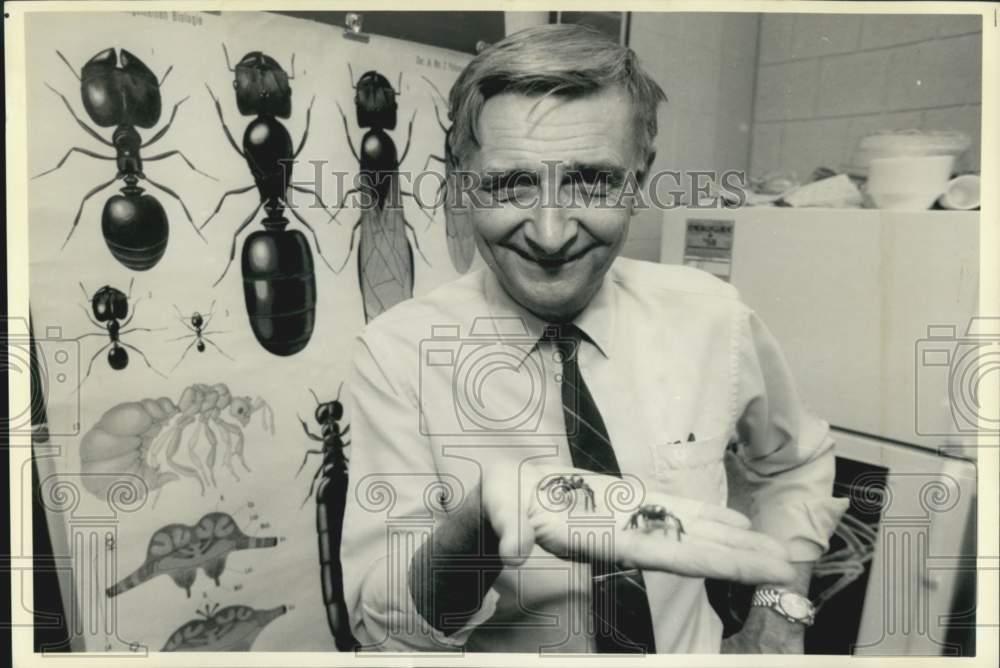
x,y
908,184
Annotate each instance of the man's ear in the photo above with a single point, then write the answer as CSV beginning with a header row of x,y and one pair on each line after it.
x,y
647,168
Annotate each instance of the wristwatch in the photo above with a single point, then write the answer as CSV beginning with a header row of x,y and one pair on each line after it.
x,y
791,605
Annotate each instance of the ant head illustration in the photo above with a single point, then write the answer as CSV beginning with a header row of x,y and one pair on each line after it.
x,y
109,303
197,321
240,409
375,101
118,89
261,85
328,413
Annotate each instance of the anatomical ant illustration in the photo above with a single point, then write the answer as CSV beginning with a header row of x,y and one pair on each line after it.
x,y
279,283
571,484
385,258
179,550
110,308
458,226
655,515
232,629
143,438
198,326
120,91
331,496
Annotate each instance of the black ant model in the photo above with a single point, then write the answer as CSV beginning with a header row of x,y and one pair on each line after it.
x,y
331,496
279,284
458,226
566,485
655,514
111,316
198,326
125,96
385,258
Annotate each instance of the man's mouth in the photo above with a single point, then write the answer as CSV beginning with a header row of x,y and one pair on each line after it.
x,y
551,262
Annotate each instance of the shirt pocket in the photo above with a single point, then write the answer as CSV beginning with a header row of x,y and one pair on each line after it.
x,y
692,469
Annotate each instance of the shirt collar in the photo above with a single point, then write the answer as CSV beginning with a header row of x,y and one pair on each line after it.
x,y
514,324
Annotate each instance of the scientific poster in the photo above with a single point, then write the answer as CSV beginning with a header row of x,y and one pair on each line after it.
x,y
180,409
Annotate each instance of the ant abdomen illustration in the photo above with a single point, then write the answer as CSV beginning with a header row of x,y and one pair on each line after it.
x,y
232,629
179,550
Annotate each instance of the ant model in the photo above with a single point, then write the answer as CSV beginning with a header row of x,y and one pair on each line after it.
x,y
111,315
198,326
385,257
279,283
120,91
331,496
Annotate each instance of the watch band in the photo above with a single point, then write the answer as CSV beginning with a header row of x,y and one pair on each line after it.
x,y
770,597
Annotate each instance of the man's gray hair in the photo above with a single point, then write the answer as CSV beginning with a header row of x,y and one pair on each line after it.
x,y
564,59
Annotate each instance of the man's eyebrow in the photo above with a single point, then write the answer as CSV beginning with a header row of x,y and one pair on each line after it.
x,y
496,179
608,172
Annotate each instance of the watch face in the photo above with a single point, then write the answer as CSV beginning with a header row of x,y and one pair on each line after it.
x,y
795,605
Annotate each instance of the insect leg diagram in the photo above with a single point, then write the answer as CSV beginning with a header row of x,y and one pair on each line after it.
x,y
110,308
331,496
179,550
279,283
198,326
385,258
458,227
232,629
143,438
120,91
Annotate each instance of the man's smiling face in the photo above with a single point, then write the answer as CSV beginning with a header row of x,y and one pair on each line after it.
x,y
538,160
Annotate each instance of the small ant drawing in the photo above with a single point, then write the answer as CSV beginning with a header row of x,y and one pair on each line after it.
x,y
198,326
110,315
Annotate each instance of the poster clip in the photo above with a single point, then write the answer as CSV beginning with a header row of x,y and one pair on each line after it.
x,y
353,21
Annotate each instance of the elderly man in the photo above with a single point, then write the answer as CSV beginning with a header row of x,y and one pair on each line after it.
x,y
561,368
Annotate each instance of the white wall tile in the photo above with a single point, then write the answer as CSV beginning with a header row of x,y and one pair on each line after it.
x,y
935,73
880,30
788,90
765,148
853,83
959,24
776,34
823,34
807,145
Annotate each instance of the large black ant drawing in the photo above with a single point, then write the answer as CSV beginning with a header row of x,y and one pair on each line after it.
x,y
385,258
110,308
331,496
458,227
279,284
125,96
198,325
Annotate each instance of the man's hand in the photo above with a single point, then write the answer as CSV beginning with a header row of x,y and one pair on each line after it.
x,y
717,542
766,631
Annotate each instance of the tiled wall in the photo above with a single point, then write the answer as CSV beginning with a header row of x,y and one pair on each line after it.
x,y
705,64
825,80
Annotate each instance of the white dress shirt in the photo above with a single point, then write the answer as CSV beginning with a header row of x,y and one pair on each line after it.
x,y
457,381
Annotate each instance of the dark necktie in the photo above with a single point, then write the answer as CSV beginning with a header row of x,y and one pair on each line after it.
x,y
620,607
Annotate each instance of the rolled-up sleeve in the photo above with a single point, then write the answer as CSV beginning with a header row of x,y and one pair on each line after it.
x,y
785,454
391,468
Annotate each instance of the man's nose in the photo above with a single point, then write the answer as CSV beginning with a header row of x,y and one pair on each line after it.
x,y
551,230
